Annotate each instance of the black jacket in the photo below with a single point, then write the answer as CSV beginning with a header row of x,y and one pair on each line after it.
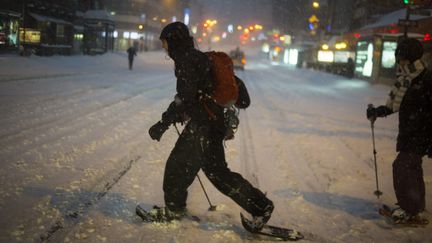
x,y
415,117
131,52
192,70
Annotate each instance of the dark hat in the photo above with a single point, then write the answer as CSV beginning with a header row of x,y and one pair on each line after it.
x,y
409,49
175,31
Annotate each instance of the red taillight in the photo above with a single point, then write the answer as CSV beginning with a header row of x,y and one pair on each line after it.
x,y
427,37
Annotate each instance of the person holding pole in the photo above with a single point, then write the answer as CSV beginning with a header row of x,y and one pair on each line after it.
x,y
411,97
200,144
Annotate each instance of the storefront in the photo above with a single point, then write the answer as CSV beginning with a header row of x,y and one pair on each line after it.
x,y
48,35
137,31
78,39
9,31
375,59
98,32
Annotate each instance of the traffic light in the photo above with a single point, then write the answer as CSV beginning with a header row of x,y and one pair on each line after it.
x,y
426,3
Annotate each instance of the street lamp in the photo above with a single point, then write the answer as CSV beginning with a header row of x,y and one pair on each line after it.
x,y
315,4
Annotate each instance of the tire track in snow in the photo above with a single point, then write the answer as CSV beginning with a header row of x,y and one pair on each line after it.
x,y
79,151
66,221
117,117
290,151
74,115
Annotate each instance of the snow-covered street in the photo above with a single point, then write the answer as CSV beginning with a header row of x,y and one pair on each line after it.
x,y
76,157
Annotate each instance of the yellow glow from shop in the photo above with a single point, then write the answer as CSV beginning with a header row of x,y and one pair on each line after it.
x,y
325,56
341,45
325,47
258,27
216,38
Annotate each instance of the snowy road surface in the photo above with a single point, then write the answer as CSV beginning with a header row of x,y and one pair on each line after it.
x,y
76,157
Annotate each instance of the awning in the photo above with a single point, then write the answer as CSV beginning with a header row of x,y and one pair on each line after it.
x,y
10,13
79,28
393,18
42,18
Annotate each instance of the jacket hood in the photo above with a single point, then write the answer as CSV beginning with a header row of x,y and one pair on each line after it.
x,y
178,38
409,49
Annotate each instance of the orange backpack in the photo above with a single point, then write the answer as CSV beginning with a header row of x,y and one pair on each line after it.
x,y
226,90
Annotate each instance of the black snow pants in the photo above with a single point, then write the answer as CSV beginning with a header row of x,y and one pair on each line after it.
x,y
408,182
130,59
202,148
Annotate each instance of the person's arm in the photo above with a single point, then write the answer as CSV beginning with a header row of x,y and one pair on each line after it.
x,y
243,100
170,116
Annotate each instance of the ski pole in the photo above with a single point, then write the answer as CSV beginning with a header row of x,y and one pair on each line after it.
x,y
377,192
212,207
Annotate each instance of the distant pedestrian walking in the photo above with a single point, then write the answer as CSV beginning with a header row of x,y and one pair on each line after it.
x,y
131,54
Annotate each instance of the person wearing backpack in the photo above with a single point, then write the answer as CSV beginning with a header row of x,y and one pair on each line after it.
x,y
200,145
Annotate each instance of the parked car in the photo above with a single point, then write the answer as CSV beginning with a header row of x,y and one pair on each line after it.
x,y
239,59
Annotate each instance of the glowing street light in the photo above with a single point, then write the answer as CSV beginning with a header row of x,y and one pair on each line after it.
x,y
315,4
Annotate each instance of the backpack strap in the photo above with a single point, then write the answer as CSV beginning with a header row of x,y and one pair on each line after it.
x,y
204,99
209,111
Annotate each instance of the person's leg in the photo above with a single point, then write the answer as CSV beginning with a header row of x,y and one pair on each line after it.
x,y
180,171
230,183
408,182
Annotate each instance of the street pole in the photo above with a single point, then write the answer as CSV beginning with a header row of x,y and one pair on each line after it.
x,y
407,16
23,26
209,43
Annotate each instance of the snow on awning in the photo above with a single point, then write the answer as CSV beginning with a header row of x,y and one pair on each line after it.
x,y
79,28
393,18
42,18
10,13
132,19
98,15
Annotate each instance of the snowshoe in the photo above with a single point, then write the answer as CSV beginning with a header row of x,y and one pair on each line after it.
x,y
271,231
398,216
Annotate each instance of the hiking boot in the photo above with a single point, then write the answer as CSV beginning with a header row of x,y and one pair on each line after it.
x,y
259,221
163,214
400,216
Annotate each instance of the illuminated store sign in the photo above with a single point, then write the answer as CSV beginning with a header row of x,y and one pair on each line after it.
x,y
364,58
30,36
388,59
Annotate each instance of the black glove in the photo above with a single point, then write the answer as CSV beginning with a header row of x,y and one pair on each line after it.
x,y
157,130
371,113
381,111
